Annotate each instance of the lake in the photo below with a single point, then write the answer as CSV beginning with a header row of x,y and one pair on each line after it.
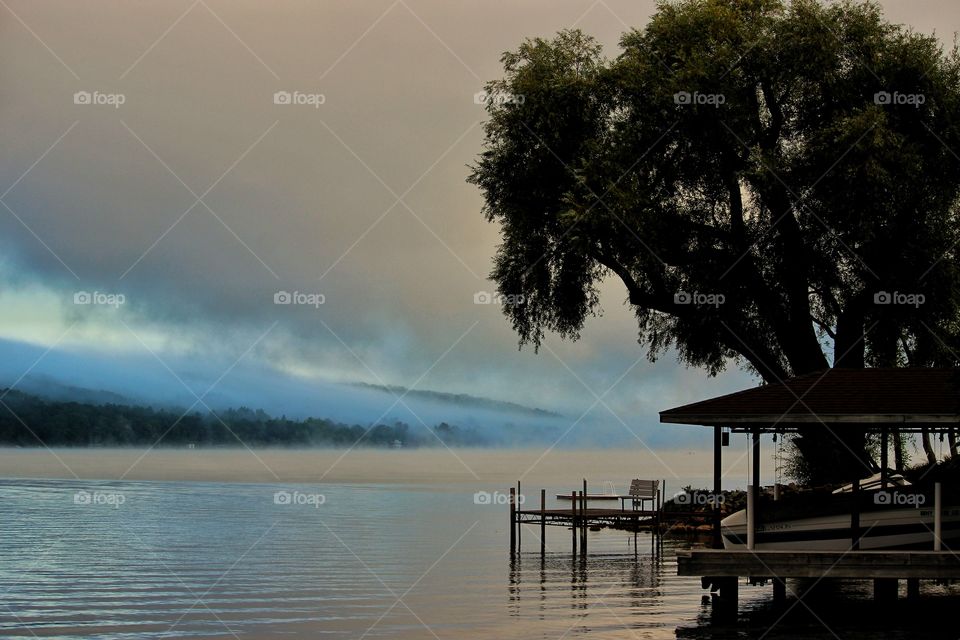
x,y
86,558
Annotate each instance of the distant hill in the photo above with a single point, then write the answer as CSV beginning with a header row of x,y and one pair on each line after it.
x,y
28,420
461,400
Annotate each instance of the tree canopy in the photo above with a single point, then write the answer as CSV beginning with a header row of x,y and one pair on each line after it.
x,y
774,184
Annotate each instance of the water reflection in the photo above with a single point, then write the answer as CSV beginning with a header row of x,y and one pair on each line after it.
x,y
207,560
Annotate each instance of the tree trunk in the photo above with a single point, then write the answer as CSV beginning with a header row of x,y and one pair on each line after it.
x,y
898,450
834,454
848,348
928,447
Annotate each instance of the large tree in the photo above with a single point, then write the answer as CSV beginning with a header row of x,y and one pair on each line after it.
x,y
774,184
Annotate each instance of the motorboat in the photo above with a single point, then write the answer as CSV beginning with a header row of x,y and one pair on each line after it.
x,y
889,513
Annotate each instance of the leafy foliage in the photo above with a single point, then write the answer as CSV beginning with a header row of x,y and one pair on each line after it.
x,y
795,164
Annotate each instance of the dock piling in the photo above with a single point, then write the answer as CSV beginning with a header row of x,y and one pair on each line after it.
x,y
543,523
519,528
779,590
937,516
513,521
573,521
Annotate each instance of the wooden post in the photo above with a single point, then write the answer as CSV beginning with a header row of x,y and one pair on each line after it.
x,y
717,438
885,589
884,457
751,516
519,526
937,517
728,590
573,520
543,523
779,590
755,491
513,521
855,515
756,460
913,588
583,524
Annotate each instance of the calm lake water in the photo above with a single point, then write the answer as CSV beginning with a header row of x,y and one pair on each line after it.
x,y
106,559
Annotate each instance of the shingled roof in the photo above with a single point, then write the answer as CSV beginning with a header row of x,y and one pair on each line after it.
x,y
883,396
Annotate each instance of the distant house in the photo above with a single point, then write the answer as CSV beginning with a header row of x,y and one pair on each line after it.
x,y
396,444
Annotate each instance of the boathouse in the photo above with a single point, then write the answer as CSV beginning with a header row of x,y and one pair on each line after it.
x,y
838,402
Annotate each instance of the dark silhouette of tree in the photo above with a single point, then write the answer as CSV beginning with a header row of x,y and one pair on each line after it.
x,y
773,183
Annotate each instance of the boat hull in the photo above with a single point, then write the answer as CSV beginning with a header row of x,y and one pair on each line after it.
x,y
908,528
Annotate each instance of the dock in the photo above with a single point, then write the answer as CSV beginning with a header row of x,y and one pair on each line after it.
x,y
720,570
641,510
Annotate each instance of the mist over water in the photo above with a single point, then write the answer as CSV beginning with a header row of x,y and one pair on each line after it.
x,y
462,470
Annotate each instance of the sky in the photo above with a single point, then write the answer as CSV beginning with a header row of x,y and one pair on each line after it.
x,y
153,166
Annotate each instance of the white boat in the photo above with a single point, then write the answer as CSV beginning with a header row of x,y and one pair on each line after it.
x,y
895,517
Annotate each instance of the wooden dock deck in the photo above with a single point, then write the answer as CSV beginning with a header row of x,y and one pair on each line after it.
x,y
721,569
929,565
564,517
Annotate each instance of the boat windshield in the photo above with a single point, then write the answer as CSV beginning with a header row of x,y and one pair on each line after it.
x,y
875,482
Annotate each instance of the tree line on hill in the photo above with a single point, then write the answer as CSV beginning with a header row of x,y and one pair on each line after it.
x,y
28,420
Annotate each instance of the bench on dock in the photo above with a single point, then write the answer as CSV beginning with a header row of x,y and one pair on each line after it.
x,y
640,492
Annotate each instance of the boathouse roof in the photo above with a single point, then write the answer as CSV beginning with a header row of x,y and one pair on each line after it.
x,y
910,397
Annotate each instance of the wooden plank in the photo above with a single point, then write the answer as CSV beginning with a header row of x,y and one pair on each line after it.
x,y
815,564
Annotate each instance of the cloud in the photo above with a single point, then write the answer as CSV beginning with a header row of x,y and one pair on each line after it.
x,y
199,197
